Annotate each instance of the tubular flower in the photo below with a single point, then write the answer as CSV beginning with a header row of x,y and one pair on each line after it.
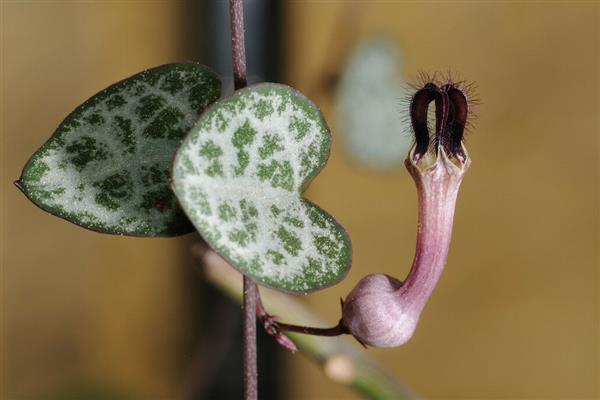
x,y
382,311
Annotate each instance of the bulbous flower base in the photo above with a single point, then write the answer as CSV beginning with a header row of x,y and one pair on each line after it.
x,y
373,314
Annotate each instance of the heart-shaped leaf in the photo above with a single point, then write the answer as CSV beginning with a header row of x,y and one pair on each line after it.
x,y
239,176
106,167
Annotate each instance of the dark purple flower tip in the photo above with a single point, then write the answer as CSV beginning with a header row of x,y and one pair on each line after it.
x,y
451,111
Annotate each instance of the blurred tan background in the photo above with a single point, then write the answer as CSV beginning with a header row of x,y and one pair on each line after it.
x,y
516,313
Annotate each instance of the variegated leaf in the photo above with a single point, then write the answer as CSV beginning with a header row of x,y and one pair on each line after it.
x,y
239,176
106,167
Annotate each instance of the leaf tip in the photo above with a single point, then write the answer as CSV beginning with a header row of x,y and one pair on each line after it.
x,y
19,184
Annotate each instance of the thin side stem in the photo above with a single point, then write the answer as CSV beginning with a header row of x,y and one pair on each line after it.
x,y
238,57
271,322
337,330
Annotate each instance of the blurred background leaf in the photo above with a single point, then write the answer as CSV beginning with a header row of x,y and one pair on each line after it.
x,y
369,110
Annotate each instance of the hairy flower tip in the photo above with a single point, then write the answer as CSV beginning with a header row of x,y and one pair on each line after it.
x,y
453,101
373,314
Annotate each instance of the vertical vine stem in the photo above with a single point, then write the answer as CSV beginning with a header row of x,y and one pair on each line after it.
x,y
250,370
238,56
238,49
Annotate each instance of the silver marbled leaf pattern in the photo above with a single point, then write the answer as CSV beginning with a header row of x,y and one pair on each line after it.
x,y
106,167
239,176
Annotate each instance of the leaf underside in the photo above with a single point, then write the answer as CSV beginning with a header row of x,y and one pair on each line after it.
x,y
106,167
239,176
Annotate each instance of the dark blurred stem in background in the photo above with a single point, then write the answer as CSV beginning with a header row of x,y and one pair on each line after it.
x,y
238,58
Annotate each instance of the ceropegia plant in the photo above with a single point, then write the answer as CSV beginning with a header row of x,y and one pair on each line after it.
x,y
239,176
106,167
240,168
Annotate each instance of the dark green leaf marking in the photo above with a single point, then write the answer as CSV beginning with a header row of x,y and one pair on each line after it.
x,y
239,175
106,167
84,150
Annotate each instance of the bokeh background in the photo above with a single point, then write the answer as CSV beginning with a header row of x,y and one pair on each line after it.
x,y
516,313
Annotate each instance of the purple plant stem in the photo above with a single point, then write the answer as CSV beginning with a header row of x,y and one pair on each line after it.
x,y
337,330
271,321
238,49
238,57
250,369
